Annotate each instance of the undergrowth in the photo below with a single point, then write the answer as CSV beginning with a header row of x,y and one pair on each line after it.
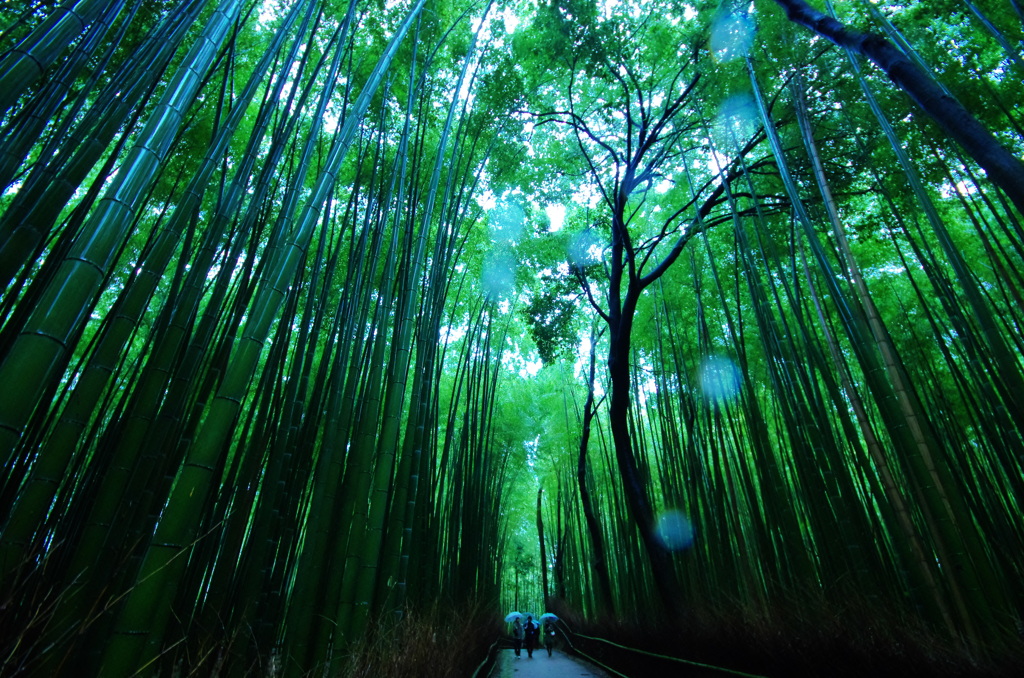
x,y
794,639
440,641
435,643
805,638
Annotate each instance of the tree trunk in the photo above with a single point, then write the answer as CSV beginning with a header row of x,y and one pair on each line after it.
x,y
639,503
543,549
599,560
1002,167
28,61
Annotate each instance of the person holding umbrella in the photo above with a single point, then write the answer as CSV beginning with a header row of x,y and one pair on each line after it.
x,y
550,636
517,637
517,632
532,632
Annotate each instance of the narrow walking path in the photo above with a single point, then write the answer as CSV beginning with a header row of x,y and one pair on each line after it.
x,y
558,665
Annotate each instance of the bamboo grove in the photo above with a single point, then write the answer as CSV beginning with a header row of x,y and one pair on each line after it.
x,y
292,341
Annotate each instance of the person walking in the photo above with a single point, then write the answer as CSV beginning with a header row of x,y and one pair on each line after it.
x,y
517,636
550,638
532,632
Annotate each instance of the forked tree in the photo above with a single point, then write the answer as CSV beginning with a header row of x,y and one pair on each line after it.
x,y
631,105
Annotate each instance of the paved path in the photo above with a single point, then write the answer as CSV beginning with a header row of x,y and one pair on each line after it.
x,y
558,665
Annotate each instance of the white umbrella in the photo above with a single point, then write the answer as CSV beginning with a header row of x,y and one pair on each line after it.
x,y
548,617
512,616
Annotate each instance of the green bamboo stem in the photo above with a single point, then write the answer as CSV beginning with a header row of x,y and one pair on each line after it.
x,y
26,63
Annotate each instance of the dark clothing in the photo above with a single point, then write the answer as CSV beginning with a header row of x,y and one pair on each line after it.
x,y
532,633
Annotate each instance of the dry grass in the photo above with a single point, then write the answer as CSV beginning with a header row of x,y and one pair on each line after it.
x,y
439,643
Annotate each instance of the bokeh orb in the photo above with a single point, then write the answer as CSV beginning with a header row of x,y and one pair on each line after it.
x,y
674,530
584,249
499,274
732,36
719,378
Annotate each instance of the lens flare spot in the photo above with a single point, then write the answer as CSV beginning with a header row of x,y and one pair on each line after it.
x,y
732,36
674,530
719,378
737,121
584,249
507,223
499,274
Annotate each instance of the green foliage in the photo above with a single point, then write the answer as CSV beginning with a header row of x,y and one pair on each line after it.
x,y
351,413
550,315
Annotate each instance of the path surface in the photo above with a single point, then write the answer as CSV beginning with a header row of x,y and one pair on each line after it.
x,y
558,665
